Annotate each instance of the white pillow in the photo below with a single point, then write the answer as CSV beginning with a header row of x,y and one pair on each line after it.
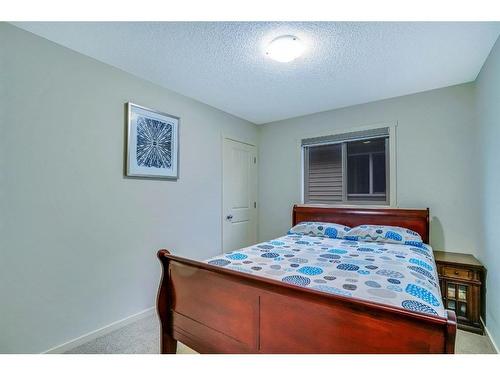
x,y
320,229
384,233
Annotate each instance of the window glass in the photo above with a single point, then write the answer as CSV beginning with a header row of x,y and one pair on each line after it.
x,y
324,174
358,174
379,177
346,171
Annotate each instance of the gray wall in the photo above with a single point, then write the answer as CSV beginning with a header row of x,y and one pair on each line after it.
x,y
436,161
488,111
78,241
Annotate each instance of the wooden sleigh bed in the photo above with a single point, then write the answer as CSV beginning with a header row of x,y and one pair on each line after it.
x,y
216,310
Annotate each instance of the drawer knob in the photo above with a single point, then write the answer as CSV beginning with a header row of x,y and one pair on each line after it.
x,y
456,272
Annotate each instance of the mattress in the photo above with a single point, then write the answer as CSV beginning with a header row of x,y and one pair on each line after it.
x,y
399,275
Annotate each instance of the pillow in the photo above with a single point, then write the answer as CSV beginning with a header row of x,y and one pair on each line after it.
x,y
320,229
384,233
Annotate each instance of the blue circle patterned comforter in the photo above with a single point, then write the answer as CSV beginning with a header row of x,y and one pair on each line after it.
x,y
393,274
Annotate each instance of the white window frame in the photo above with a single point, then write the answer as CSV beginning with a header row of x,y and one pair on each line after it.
x,y
391,188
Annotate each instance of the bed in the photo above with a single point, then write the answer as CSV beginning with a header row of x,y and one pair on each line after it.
x,y
307,294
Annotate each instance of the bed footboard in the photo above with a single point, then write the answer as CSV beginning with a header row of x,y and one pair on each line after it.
x,y
216,310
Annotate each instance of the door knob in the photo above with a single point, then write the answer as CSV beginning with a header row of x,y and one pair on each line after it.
x,y
229,217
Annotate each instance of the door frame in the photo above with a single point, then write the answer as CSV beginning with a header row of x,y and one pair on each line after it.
x,y
249,143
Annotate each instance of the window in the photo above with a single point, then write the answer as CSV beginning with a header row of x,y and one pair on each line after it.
x,y
350,168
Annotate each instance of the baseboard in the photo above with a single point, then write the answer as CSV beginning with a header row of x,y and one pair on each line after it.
x,y
99,332
490,337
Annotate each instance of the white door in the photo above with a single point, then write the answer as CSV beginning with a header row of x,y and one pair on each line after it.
x,y
239,195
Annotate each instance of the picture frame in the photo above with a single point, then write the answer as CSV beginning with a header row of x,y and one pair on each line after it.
x,y
152,143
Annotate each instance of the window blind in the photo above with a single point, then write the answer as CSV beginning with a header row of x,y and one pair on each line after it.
x,y
352,136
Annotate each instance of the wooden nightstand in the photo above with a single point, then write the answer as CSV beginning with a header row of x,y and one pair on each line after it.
x,y
461,277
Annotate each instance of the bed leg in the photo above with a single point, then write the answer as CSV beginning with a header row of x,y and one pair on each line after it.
x,y
451,331
168,344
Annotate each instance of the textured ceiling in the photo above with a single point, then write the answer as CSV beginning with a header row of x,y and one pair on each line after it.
x,y
223,63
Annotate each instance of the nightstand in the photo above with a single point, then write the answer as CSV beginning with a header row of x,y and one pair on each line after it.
x,y
461,277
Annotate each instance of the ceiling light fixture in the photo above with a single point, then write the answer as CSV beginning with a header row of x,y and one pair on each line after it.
x,y
285,48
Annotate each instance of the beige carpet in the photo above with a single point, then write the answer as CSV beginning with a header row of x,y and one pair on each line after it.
x,y
141,337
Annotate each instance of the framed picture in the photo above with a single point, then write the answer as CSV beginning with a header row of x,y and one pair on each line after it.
x,y
152,143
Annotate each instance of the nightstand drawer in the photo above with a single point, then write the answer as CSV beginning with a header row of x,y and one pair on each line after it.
x,y
458,273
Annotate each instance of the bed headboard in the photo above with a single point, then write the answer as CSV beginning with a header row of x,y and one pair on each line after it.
x,y
414,219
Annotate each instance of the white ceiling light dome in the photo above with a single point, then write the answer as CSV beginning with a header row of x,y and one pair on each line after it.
x,y
285,48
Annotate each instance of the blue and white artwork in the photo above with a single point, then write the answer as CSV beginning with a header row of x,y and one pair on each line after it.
x,y
152,143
